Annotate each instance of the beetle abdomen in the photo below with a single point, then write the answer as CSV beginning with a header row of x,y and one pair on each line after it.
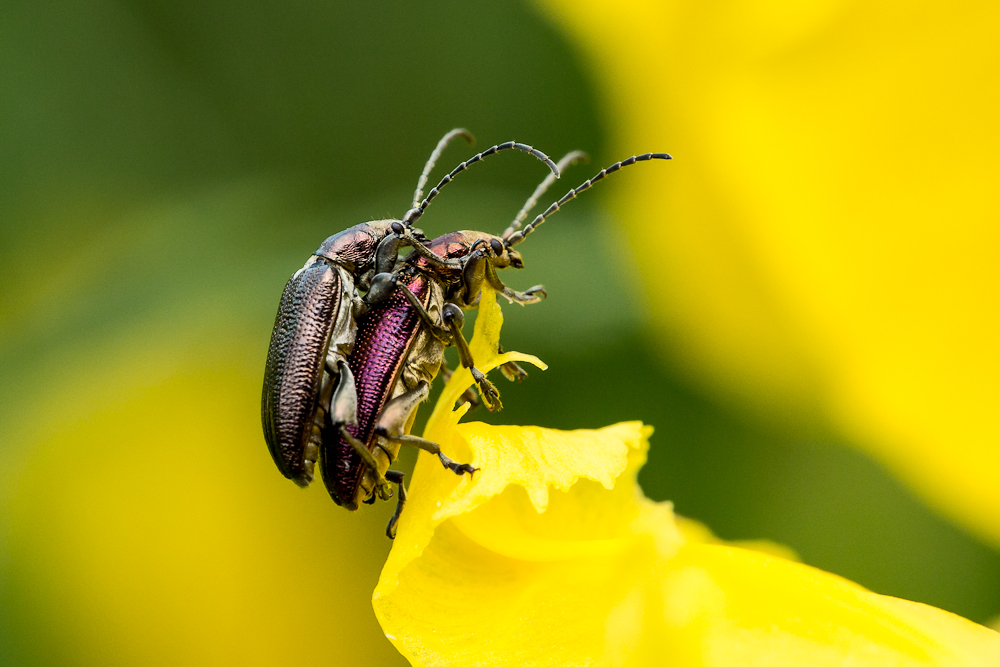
x,y
294,370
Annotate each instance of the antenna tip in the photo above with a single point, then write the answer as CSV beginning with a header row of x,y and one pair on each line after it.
x,y
663,156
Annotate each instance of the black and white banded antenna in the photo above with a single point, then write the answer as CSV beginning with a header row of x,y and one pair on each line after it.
x,y
432,160
414,213
567,160
519,236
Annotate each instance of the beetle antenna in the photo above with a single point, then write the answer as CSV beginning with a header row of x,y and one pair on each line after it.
x,y
432,160
414,213
518,236
567,160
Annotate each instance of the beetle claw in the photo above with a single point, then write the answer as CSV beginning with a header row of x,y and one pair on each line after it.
x,y
490,395
457,468
513,371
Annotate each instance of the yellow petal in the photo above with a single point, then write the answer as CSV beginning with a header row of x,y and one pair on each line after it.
x,y
827,237
550,555
587,574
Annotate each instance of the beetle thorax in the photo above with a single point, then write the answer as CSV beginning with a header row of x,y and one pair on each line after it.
x,y
355,246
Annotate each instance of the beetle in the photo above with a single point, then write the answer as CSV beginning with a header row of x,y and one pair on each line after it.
x,y
416,312
306,373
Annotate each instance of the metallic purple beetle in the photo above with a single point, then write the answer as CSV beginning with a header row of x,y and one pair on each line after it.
x,y
416,312
307,374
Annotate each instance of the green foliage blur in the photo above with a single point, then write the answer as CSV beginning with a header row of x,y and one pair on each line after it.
x,y
164,168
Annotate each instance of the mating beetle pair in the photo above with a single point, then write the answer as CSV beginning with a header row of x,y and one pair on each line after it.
x,y
345,373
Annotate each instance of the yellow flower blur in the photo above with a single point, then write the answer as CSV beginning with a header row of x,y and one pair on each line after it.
x,y
551,555
826,242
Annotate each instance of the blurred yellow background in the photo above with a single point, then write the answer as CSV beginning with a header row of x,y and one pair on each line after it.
x,y
833,246
164,167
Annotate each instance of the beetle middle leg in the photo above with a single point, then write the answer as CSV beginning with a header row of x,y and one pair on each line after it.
x,y
428,446
396,415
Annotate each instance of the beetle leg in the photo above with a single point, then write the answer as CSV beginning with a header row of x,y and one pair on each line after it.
x,y
427,446
454,318
469,396
397,412
381,288
381,486
358,307
435,328
477,266
397,477
386,253
530,295
432,257
344,403
511,370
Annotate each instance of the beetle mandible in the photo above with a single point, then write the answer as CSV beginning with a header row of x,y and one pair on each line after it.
x,y
306,373
416,312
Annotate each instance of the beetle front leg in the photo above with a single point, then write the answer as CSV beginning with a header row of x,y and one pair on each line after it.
x,y
454,319
439,332
395,476
530,295
432,257
381,485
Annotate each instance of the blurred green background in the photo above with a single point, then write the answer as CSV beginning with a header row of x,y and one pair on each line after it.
x,y
164,167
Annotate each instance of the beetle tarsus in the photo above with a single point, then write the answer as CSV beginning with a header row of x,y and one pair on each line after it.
x,y
513,371
530,295
491,396
457,468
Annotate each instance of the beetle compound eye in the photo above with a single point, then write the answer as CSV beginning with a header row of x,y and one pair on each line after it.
x,y
496,246
397,228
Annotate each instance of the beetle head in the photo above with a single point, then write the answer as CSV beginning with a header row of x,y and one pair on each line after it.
x,y
497,251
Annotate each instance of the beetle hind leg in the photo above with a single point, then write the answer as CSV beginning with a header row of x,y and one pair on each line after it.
x,y
381,485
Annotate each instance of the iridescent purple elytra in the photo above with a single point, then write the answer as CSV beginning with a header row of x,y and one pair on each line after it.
x,y
385,335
